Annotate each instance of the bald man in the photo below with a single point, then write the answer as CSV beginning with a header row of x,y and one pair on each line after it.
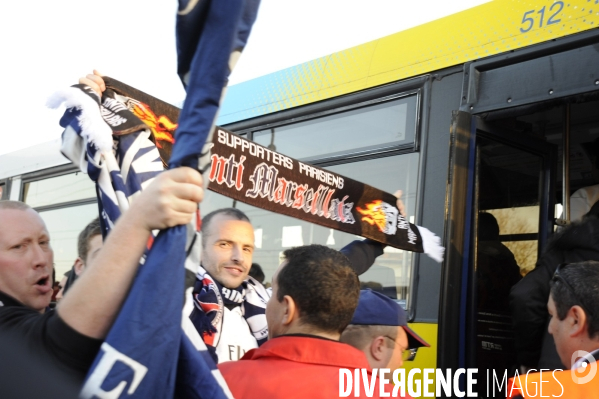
x,y
69,338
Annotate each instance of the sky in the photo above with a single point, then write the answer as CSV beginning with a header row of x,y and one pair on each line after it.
x,y
47,45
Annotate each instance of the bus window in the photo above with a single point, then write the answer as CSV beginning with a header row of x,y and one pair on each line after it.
x,y
549,124
583,130
1,191
518,227
383,125
393,269
508,221
59,189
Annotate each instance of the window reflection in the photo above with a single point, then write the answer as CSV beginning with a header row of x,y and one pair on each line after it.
x,y
55,190
64,226
391,272
385,124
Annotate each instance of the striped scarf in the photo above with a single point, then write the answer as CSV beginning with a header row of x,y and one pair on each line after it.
x,y
210,298
109,143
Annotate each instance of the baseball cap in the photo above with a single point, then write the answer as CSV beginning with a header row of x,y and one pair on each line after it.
x,y
376,309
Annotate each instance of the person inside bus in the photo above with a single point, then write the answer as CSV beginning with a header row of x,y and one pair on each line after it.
x,y
70,337
497,270
379,328
89,244
583,199
573,307
577,242
315,293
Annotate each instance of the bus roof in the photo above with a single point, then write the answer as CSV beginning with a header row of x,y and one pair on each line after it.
x,y
31,159
488,29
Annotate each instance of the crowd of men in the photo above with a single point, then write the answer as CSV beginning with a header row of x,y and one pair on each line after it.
x,y
314,297
268,342
315,309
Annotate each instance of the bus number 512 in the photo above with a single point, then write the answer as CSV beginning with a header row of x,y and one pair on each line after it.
x,y
528,21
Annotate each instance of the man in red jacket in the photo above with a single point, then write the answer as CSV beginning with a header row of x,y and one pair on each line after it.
x,y
315,293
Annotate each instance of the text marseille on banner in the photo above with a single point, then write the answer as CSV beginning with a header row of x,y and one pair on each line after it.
x,y
258,176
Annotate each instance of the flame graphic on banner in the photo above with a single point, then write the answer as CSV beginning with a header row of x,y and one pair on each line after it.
x,y
162,127
374,214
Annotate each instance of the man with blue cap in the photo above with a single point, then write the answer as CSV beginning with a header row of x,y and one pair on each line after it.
x,y
380,329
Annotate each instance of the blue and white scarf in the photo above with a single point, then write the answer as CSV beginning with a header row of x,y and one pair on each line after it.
x,y
210,298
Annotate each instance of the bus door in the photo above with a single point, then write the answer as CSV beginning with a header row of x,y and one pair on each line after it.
x,y
512,215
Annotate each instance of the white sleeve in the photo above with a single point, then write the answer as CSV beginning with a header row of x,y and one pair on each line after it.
x,y
578,205
582,200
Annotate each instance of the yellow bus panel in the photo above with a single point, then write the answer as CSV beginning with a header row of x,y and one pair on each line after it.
x,y
488,29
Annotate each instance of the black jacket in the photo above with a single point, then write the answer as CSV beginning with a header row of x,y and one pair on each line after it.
x,y
528,299
362,254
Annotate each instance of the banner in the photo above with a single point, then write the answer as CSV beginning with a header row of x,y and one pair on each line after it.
x,y
253,174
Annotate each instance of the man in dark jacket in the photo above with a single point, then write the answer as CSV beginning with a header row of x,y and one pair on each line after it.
x,y
70,337
573,305
528,299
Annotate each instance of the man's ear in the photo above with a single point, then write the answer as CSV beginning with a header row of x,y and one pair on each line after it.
x,y
577,321
79,266
377,348
291,312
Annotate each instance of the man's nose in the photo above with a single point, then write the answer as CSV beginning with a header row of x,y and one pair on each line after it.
x,y
237,254
40,256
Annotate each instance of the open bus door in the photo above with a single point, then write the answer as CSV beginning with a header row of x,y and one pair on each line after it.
x,y
512,218
501,211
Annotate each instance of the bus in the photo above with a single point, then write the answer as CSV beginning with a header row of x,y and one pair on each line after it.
x,y
492,110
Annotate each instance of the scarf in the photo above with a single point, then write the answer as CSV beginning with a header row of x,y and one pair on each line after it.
x,y
269,180
209,299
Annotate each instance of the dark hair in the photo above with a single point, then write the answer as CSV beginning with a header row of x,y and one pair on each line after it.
x,y
231,212
90,231
488,228
583,290
256,272
323,285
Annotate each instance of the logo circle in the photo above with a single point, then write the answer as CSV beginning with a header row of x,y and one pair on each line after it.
x,y
588,363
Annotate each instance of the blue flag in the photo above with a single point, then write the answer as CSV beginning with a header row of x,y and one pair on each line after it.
x,y
146,354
